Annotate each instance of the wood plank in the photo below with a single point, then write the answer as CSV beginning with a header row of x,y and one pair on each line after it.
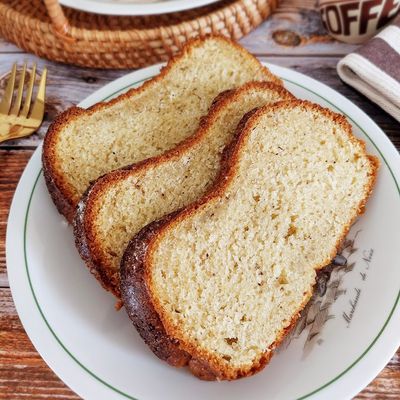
x,y
12,163
68,85
25,375
7,47
294,29
23,372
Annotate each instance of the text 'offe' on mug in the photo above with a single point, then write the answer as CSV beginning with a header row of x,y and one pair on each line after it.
x,y
356,21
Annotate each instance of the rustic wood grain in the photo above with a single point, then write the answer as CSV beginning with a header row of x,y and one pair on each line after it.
x,y
23,373
7,47
12,163
293,37
295,29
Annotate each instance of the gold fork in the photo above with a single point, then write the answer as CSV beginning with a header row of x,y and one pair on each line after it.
x,y
17,121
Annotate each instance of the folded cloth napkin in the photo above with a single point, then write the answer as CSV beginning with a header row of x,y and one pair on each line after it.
x,y
374,69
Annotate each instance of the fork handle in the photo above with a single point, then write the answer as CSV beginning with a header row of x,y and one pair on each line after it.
x,y
59,21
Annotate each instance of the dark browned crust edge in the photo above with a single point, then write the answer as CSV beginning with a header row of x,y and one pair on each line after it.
x,y
61,192
54,182
136,262
86,240
135,294
108,281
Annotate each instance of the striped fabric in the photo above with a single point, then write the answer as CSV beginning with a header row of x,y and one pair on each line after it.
x,y
374,69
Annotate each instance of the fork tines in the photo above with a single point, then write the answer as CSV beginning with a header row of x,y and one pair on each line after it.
x,y
8,107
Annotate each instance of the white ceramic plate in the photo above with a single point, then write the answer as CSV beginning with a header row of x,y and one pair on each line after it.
x,y
349,335
134,7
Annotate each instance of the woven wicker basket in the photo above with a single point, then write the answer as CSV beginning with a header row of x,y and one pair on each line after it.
x,y
91,40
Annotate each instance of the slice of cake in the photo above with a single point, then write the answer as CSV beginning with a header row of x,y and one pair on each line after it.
x,y
82,145
218,285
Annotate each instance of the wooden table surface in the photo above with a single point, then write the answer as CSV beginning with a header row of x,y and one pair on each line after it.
x,y
293,37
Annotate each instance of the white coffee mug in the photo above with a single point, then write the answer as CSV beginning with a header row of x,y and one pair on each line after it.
x,y
356,21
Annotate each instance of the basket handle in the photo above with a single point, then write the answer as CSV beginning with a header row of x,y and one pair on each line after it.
x,y
59,21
